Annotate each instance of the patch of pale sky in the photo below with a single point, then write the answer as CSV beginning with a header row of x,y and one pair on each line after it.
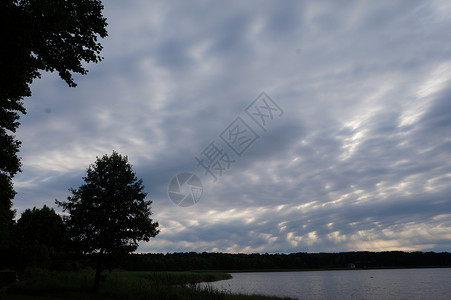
x,y
435,82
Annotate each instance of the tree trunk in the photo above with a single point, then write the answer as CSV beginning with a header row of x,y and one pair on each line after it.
x,y
98,271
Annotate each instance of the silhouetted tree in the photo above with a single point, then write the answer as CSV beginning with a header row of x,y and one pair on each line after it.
x,y
38,35
39,235
109,214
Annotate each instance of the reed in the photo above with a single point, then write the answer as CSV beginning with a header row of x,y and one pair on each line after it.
x,y
43,284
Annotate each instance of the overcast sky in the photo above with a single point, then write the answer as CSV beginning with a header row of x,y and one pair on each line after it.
x,y
354,152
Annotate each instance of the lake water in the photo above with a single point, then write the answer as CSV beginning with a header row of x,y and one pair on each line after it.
x,y
346,284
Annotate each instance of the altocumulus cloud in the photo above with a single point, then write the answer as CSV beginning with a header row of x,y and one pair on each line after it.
x,y
360,159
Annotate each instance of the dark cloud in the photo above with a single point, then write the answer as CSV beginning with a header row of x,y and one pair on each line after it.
x,y
359,160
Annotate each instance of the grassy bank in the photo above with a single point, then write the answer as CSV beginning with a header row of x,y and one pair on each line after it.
x,y
37,284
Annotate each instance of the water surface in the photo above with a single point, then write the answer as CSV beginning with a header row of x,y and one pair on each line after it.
x,y
346,284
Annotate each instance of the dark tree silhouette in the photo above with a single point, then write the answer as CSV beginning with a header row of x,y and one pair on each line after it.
x,y
39,235
38,35
109,214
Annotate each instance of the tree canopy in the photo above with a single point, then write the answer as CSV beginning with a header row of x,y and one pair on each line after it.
x,y
38,35
42,225
39,236
109,213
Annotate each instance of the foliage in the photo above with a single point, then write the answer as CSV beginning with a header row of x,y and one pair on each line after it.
x,y
109,213
122,285
292,261
38,35
6,213
47,35
38,281
42,225
39,236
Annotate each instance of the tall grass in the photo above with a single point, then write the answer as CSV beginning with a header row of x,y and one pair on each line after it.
x,y
119,285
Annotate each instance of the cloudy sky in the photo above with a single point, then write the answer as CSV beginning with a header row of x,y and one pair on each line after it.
x,y
354,152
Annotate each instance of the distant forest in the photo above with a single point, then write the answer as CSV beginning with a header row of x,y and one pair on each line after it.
x,y
225,261
40,239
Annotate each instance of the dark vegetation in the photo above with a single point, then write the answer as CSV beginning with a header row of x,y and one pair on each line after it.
x,y
50,265
44,284
293,261
108,215
41,239
38,36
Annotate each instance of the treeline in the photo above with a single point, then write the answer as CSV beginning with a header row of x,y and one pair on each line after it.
x,y
225,261
39,238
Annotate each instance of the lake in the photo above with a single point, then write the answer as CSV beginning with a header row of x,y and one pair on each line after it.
x,y
433,283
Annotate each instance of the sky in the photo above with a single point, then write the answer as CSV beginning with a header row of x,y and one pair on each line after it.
x,y
303,126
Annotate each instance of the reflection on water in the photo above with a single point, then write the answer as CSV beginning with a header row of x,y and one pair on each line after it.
x,y
346,284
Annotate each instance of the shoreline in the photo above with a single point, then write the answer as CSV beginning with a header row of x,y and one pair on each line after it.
x,y
309,270
44,284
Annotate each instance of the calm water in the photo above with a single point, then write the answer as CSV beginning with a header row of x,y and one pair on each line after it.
x,y
347,284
